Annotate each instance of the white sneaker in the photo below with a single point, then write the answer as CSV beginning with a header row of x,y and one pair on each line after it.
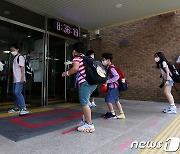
x,y
171,109
81,123
93,104
14,110
87,128
23,111
89,104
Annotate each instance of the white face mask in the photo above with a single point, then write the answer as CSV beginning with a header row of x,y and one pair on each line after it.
x,y
92,56
104,63
14,53
156,59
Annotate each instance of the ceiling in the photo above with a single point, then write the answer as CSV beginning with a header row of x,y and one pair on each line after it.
x,y
95,14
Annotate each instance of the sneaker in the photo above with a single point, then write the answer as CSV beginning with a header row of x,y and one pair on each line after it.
x,y
93,104
170,109
89,104
105,115
88,128
14,110
121,116
109,115
81,123
23,111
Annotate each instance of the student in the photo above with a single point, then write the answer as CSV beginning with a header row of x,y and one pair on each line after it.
x,y
112,95
85,90
162,63
18,81
90,53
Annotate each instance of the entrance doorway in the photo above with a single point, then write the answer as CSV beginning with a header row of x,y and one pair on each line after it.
x,y
55,64
31,44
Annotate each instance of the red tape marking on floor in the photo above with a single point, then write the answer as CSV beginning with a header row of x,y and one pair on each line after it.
x,y
69,131
153,124
20,121
126,144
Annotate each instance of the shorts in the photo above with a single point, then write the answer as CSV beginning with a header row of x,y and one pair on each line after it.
x,y
171,83
112,95
85,91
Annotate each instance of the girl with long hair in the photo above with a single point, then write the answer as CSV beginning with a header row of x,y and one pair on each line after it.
x,y
162,64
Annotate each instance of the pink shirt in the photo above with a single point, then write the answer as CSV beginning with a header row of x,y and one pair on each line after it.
x,y
113,78
17,68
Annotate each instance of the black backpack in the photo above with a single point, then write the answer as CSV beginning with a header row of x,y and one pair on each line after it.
x,y
29,73
95,71
175,73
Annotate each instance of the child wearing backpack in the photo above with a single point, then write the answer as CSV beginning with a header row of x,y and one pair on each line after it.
x,y
168,82
18,81
85,89
112,94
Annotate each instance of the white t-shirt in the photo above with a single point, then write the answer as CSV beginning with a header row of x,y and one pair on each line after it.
x,y
17,68
178,60
164,64
1,66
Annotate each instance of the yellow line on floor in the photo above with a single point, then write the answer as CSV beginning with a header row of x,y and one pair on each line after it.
x,y
6,103
10,106
68,105
42,109
172,130
56,101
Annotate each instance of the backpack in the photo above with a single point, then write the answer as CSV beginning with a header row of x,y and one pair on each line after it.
x,y
123,86
175,73
95,71
29,73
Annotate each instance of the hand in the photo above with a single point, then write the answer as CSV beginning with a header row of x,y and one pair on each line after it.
x,y
106,82
64,74
22,81
166,83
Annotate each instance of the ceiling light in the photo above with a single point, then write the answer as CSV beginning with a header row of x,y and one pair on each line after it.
x,y
6,51
29,36
118,5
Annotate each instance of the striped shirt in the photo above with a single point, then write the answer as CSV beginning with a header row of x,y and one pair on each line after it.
x,y
82,74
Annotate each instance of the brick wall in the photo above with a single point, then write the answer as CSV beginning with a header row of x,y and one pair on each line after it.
x,y
145,37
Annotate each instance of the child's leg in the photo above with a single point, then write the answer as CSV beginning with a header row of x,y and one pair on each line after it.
x,y
167,92
119,107
83,118
111,109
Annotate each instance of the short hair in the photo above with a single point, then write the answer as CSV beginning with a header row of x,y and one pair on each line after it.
x,y
89,52
14,46
80,47
107,56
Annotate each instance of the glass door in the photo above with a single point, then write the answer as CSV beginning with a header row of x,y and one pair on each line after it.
x,y
31,47
71,89
55,64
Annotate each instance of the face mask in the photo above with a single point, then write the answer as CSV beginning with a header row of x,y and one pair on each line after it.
x,y
104,63
157,59
92,56
14,53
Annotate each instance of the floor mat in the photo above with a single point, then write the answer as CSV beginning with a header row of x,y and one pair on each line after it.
x,y
22,127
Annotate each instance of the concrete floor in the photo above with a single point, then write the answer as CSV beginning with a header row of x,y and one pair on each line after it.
x,y
144,121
